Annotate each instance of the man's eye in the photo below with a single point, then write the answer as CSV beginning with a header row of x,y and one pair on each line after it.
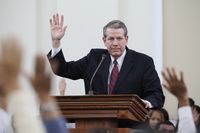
x,y
110,39
119,39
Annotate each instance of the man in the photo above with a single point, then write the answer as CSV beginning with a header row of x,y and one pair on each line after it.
x,y
131,73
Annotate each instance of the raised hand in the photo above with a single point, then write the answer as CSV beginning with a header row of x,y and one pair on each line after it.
x,y
175,85
41,80
57,29
1,78
10,63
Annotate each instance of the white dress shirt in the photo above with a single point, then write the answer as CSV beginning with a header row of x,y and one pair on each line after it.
x,y
119,60
186,122
54,51
5,122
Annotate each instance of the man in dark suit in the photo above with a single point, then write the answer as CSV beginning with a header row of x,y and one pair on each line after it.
x,y
131,73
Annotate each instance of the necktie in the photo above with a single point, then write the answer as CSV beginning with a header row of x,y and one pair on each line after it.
x,y
113,77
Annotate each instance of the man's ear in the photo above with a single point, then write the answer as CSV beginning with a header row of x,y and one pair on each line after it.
x,y
126,38
104,39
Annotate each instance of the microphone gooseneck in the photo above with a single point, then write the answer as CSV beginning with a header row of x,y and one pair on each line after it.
x,y
91,92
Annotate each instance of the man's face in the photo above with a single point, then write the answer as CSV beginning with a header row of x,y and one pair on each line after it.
x,y
115,41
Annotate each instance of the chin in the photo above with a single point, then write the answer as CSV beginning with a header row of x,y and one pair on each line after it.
x,y
116,55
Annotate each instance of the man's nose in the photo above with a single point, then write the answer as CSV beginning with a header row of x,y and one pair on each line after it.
x,y
115,42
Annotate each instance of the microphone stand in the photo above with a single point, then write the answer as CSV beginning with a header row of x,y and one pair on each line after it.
x,y
91,92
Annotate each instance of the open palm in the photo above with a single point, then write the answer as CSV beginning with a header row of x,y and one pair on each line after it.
x,y
173,84
57,28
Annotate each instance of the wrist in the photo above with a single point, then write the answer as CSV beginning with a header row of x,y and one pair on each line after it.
x,y
183,102
49,110
56,43
48,106
44,98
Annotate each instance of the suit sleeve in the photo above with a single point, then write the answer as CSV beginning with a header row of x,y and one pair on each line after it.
x,y
72,69
152,89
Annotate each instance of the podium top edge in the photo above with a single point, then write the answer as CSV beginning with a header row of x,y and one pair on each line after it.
x,y
118,95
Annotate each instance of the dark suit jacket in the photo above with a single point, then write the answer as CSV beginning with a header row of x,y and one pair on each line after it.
x,y
137,74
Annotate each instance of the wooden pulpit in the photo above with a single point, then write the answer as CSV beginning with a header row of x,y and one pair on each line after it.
x,y
101,111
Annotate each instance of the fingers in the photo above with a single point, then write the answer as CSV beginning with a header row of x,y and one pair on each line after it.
x,y
182,80
54,20
62,21
165,86
170,75
174,74
164,74
42,79
39,64
40,67
57,20
173,84
48,81
51,22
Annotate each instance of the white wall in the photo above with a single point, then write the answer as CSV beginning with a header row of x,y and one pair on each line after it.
x,y
19,18
144,21
182,45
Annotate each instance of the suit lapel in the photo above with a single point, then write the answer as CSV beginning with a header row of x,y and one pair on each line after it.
x,y
126,66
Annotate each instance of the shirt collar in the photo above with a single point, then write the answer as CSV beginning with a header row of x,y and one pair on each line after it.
x,y
119,59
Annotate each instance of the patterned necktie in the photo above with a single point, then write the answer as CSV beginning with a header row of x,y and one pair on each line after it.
x,y
113,77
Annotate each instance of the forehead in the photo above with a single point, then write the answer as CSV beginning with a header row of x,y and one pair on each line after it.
x,y
114,32
156,114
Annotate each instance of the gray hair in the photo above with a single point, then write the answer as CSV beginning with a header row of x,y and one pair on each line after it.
x,y
115,24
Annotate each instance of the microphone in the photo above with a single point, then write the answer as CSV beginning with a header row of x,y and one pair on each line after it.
x,y
91,92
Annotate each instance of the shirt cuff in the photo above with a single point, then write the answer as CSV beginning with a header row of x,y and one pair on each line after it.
x,y
185,111
147,104
186,122
54,51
